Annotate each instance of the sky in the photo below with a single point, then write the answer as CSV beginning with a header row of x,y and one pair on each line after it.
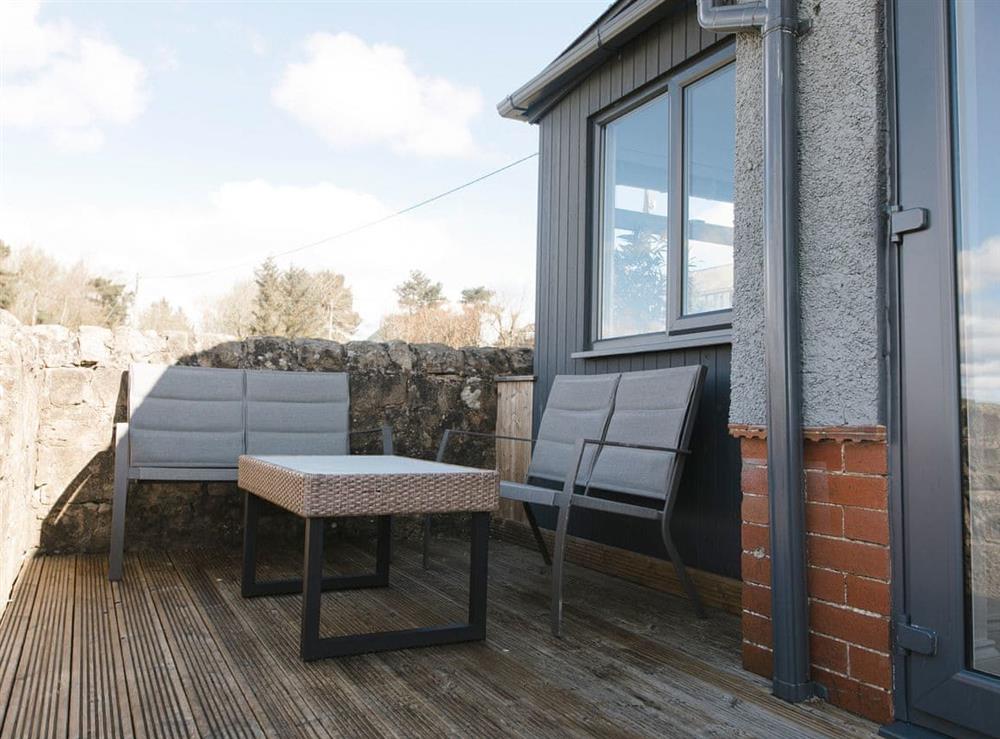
x,y
177,138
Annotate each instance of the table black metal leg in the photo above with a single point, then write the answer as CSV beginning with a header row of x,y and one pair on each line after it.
x,y
250,587
316,647
478,571
312,590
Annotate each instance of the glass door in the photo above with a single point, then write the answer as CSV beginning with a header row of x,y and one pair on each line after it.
x,y
976,94
948,299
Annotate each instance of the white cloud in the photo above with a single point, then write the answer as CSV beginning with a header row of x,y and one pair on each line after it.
x,y
64,82
352,93
239,223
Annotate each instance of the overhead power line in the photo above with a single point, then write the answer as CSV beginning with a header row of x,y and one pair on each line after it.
x,y
343,234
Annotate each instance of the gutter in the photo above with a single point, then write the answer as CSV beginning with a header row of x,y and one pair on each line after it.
x,y
779,26
594,47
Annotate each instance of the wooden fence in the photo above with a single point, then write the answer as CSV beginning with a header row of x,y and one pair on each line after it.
x,y
514,396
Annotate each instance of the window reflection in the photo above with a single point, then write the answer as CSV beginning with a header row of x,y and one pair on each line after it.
x,y
977,116
709,155
634,223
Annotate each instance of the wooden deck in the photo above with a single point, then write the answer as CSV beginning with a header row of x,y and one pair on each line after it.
x,y
174,651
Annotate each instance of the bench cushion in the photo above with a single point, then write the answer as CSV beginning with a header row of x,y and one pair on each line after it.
x,y
297,412
650,408
185,416
578,407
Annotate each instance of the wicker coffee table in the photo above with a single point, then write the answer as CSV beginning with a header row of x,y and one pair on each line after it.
x,y
321,487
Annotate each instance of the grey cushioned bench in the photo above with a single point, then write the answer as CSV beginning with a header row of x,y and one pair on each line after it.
x,y
614,443
193,423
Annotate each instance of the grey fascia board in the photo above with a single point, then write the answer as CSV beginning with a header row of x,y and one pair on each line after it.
x,y
523,104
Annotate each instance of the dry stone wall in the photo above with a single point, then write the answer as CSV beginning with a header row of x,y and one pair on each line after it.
x,y
20,378
63,390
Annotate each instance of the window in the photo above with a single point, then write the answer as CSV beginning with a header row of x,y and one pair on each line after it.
x,y
709,152
664,180
634,238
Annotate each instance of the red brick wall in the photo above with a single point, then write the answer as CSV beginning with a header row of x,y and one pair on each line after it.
x,y
847,528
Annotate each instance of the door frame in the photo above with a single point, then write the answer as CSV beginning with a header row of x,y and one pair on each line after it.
x,y
936,692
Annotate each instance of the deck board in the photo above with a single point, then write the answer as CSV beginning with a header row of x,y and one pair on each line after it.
x,y
99,705
175,651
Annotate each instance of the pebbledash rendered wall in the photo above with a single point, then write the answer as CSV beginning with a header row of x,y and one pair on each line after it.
x,y
841,125
61,391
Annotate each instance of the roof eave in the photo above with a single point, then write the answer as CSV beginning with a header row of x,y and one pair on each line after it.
x,y
528,102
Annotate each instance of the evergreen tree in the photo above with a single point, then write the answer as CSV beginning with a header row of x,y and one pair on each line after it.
x,y
477,296
419,293
299,312
112,299
267,312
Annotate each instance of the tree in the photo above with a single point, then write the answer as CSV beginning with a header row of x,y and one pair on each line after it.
x,y
335,300
162,316
113,300
295,302
504,320
268,304
233,312
299,313
8,286
640,275
418,292
477,296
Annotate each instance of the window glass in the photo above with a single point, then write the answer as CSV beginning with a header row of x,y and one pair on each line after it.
x,y
633,259
977,115
709,153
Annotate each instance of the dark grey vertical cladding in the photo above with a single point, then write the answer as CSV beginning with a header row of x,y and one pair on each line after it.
x,y
707,518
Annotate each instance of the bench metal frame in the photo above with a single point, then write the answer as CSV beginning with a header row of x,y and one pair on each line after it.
x,y
125,473
576,494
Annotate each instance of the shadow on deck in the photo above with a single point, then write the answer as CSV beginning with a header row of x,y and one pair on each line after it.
x,y
173,650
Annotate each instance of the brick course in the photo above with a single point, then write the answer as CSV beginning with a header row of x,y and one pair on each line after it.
x,y
847,524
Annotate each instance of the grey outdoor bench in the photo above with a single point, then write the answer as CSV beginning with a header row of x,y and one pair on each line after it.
x,y
614,443
193,423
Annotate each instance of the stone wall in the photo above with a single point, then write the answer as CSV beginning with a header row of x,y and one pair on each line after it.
x,y
20,378
67,388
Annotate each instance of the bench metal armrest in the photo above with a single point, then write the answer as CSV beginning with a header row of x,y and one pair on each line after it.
x,y
569,488
626,445
448,433
387,440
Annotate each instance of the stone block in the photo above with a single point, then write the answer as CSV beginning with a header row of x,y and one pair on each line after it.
x,y
66,386
95,345
57,346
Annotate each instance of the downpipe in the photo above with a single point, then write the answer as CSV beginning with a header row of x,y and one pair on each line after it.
x,y
779,26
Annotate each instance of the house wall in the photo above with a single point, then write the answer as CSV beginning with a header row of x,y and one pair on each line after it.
x,y
841,128
842,190
707,519
842,187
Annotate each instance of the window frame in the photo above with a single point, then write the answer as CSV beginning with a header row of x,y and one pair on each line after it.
x,y
679,328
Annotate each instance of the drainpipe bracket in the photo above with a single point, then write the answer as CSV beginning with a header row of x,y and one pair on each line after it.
x,y
796,26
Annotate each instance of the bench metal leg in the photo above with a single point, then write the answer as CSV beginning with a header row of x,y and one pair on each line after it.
x,y
682,573
250,587
117,553
558,563
533,522
313,646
